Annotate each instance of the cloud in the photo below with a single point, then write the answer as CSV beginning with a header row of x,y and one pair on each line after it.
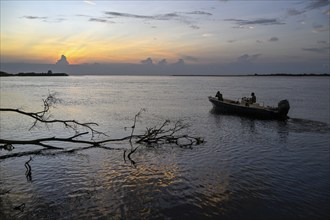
x,y
260,21
147,61
190,58
327,12
101,20
194,27
90,2
246,58
259,41
82,15
167,16
62,61
95,19
55,20
207,35
320,28
199,13
34,17
317,4
273,39
187,18
162,62
180,62
243,27
322,42
317,49
294,12
44,19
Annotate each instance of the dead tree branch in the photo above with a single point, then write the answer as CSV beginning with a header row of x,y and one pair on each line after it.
x,y
169,134
44,116
166,133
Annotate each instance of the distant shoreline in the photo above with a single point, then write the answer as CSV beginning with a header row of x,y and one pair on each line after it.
x,y
274,74
49,74
4,74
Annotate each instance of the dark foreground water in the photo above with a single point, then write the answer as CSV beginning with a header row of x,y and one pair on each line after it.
x,y
247,169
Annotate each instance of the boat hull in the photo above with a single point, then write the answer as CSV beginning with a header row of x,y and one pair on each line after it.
x,y
232,107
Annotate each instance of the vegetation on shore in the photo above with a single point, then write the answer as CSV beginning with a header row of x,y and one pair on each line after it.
x,y
289,74
256,74
49,73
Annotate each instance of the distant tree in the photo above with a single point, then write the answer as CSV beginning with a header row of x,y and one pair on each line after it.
x,y
2,73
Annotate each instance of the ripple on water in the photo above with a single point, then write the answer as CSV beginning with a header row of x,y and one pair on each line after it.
x,y
246,168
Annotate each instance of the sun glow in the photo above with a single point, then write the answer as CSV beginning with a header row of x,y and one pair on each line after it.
x,y
89,31
86,49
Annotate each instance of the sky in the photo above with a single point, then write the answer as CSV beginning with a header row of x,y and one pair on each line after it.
x,y
218,33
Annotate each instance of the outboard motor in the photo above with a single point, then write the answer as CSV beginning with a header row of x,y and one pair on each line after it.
x,y
283,107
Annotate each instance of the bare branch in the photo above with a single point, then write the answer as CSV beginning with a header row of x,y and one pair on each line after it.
x,y
44,117
135,118
166,133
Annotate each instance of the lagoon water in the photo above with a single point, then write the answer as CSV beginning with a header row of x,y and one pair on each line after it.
x,y
246,169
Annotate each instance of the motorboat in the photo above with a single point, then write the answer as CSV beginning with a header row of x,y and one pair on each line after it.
x,y
245,107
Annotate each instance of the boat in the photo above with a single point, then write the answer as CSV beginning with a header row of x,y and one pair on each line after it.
x,y
245,107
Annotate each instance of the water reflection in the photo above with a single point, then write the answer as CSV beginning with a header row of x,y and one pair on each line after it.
x,y
133,192
248,124
96,184
28,172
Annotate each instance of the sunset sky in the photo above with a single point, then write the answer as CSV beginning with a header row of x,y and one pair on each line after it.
x,y
199,32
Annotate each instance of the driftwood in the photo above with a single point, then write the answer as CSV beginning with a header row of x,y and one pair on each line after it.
x,y
44,116
166,134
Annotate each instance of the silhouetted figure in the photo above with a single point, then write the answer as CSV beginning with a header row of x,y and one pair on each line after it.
x,y
253,98
219,96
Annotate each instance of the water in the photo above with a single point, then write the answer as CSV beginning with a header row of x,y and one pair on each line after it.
x,y
247,169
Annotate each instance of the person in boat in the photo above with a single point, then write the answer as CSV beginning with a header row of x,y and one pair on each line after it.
x,y
219,96
253,98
